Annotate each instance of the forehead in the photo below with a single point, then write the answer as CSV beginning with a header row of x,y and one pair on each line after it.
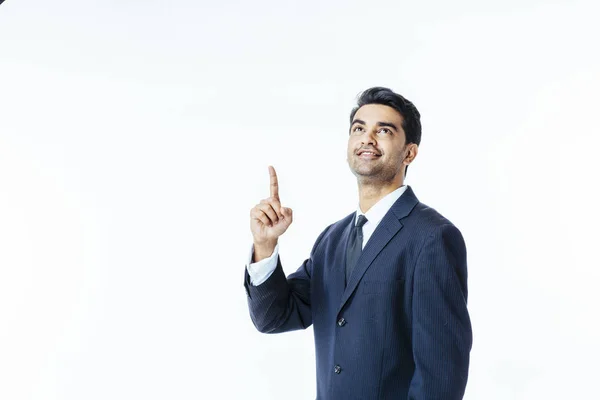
x,y
373,113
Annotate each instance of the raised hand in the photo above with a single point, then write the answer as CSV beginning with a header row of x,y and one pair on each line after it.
x,y
268,219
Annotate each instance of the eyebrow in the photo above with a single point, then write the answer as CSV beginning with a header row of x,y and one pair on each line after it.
x,y
380,123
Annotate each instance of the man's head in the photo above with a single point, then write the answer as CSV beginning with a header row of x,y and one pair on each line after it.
x,y
387,125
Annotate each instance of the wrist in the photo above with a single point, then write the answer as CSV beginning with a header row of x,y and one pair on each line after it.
x,y
264,249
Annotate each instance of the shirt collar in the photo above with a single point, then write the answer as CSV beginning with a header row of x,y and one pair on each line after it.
x,y
379,209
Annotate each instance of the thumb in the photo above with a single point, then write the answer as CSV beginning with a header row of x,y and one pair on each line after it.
x,y
287,212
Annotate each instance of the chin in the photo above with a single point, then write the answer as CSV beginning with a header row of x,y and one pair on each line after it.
x,y
365,171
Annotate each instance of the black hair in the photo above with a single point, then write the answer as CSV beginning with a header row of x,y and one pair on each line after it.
x,y
411,123
411,118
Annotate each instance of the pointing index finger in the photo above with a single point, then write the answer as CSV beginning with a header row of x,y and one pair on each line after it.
x,y
274,184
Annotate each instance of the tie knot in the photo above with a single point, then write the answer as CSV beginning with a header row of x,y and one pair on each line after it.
x,y
361,221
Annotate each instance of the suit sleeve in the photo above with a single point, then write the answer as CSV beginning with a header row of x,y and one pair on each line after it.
x,y
441,327
282,304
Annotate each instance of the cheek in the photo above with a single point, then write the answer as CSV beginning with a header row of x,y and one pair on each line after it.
x,y
350,147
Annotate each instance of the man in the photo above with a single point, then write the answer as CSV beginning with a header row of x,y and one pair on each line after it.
x,y
385,288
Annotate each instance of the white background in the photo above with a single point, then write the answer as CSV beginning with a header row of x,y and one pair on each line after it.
x,y
135,137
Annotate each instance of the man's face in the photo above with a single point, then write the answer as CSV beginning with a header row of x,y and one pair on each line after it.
x,y
376,144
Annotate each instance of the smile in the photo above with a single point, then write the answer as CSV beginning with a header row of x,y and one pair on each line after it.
x,y
368,155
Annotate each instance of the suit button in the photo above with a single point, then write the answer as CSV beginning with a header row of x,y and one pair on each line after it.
x,y
337,369
341,322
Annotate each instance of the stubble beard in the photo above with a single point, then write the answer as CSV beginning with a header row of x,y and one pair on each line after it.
x,y
372,174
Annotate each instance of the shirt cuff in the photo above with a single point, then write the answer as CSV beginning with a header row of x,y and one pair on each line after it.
x,y
261,271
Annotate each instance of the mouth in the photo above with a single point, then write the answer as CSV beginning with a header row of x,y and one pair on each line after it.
x,y
367,155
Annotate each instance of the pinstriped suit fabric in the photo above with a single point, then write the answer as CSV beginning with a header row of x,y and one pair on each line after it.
x,y
400,328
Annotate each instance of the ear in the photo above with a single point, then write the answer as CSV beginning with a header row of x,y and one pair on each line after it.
x,y
412,149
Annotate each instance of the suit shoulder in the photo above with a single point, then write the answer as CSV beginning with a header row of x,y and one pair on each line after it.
x,y
429,221
342,223
336,226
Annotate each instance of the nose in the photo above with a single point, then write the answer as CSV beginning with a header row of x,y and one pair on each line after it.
x,y
369,137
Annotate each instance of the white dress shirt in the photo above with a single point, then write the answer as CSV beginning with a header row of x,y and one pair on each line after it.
x,y
262,270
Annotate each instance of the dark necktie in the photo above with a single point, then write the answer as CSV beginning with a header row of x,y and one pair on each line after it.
x,y
354,245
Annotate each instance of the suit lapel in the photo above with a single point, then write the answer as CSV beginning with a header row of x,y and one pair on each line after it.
x,y
339,272
389,226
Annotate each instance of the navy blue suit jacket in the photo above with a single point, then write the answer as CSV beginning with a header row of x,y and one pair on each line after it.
x,y
400,329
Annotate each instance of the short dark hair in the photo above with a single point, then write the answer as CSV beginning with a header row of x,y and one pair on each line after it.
x,y
411,123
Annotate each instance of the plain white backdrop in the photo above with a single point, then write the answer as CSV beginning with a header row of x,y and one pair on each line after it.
x,y
135,137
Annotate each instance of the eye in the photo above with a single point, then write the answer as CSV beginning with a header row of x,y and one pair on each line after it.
x,y
385,131
357,129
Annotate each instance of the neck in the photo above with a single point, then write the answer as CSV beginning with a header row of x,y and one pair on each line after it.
x,y
370,193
